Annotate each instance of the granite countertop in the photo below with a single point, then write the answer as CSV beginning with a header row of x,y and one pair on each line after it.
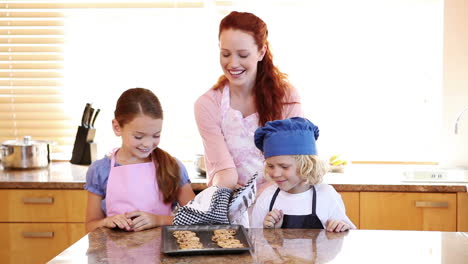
x,y
58,175
63,175
280,246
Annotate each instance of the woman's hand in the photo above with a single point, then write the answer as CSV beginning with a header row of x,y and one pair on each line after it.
x,y
274,219
120,221
143,220
337,226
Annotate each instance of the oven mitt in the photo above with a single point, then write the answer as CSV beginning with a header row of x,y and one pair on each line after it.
x,y
216,205
242,198
209,207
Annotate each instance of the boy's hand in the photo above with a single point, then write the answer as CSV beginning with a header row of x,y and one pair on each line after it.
x,y
274,219
337,226
142,220
120,221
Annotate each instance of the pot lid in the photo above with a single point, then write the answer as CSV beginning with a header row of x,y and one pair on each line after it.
x,y
27,141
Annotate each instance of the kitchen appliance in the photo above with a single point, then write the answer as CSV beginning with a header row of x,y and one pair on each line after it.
x,y
200,164
25,154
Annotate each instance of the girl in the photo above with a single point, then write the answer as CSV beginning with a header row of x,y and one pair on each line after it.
x,y
297,199
251,92
135,188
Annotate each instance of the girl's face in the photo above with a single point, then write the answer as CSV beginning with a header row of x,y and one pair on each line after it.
x,y
239,57
139,137
283,171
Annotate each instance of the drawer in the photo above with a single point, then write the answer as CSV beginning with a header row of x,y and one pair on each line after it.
x,y
408,211
43,205
36,242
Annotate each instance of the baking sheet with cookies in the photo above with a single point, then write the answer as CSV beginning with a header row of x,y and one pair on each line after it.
x,y
204,239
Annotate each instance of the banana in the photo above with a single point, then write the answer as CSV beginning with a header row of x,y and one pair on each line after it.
x,y
333,158
338,162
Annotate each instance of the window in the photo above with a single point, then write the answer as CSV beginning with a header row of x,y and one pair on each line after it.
x,y
31,88
369,73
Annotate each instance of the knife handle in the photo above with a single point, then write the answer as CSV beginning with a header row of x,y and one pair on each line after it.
x,y
85,114
94,118
88,119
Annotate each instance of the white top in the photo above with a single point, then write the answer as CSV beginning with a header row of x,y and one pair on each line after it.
x,y
329,205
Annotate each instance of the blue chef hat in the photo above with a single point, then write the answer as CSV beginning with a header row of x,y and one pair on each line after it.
x,y
292,136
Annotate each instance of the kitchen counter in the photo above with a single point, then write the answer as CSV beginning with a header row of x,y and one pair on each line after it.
x,y
58,175
63,175
280,246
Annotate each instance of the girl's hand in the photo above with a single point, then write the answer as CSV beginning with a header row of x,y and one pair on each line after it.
x,y
142,220
120,221
337,226
274,219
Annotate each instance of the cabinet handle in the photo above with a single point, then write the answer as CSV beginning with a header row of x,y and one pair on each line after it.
x,y
38,200
38,234
432,204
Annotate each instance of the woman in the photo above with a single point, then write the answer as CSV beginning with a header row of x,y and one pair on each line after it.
x,y
251,92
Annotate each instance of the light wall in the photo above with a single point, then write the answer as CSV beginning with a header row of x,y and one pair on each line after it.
x,y
455,97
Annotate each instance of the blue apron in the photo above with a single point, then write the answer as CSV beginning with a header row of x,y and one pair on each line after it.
x,y
300,221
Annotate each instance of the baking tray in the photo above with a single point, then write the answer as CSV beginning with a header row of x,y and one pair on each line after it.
x,y
204,232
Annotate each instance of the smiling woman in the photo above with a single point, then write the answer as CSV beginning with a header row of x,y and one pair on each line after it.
x,y
369,73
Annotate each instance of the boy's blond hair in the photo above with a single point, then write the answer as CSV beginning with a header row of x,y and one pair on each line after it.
x,y
310,168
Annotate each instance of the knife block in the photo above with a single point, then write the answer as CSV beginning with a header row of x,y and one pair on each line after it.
x,y
84,149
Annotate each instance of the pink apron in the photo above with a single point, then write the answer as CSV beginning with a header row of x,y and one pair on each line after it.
x,y
134,187
239,135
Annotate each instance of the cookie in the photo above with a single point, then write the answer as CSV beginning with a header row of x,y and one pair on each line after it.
x,y
191,245
225,238
224,231
179,234
231,243
187,240
216,238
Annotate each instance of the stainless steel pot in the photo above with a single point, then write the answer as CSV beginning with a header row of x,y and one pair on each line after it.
x,y
25,154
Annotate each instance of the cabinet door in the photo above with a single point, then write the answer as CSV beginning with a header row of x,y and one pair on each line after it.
x,y
462,212
36,243
43,205
351,201
408,211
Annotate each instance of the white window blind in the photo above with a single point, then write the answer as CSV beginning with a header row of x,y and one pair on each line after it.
x,y
31,78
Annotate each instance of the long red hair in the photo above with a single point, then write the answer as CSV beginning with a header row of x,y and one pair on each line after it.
x,y
271,85
140,101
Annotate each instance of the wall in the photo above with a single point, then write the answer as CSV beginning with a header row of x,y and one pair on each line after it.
x,y
455,93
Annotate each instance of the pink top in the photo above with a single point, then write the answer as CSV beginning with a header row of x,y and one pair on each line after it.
x,y
208,115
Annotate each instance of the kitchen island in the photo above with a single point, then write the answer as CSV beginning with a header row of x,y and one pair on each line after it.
x,y
279,246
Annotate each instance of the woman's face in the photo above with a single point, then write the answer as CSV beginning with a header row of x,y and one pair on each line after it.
x,y
239,56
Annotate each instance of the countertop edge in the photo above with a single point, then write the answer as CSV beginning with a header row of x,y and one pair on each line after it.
x,y
43,185
201,186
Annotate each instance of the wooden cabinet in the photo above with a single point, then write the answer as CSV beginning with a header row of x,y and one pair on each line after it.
x,y
462,212
36,225
408,211
351,201
37,242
